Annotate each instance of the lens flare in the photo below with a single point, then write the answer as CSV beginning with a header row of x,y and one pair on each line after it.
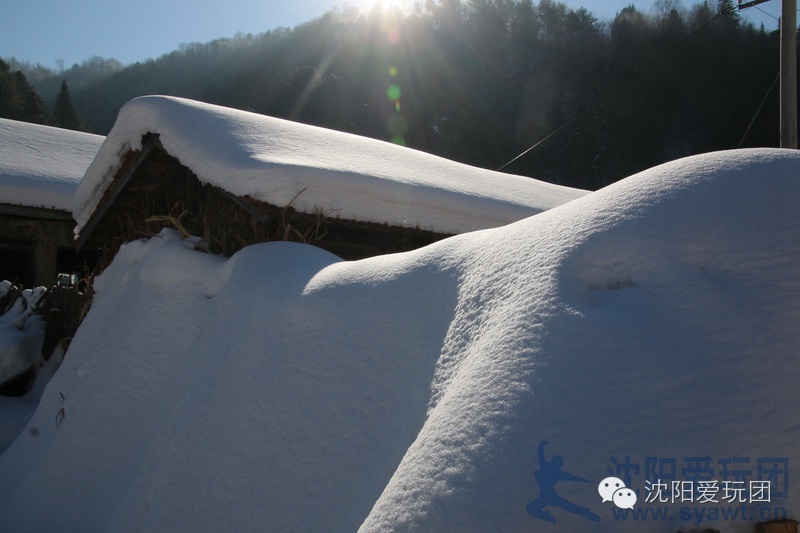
x,y
394,92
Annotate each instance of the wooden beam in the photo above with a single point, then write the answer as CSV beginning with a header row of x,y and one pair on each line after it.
x,y
248,206
750,4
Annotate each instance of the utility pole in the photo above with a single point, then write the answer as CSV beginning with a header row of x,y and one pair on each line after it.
x,y
788,73
788,69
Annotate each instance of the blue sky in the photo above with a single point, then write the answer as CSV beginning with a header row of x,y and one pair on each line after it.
x,y
43,31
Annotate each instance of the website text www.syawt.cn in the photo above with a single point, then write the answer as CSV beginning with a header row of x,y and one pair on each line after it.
x,y
713,501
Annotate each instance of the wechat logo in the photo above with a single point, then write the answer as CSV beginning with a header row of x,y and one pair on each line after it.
x,y
613,489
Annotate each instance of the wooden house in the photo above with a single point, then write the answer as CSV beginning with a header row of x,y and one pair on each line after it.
x,y
40,168
236,178
153,189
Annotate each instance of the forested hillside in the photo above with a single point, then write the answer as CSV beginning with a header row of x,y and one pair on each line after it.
x,y
20,101
481,81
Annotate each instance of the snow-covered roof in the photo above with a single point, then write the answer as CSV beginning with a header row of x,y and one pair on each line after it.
x,y
41,166
647,330
278,162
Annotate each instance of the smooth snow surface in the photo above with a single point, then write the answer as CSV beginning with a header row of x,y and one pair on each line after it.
x,y
41,166
285,390
346,176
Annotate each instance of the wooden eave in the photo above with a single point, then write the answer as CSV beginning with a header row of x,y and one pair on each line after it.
x,y
41,213
130,165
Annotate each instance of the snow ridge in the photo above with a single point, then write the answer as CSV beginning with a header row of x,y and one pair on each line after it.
x,y
655,318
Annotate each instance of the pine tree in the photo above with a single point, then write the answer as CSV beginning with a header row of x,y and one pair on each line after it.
x,y
8,94
731,18
18,100
66,114
33,109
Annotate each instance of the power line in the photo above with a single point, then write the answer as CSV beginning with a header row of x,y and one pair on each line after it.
x,y
778,77
573,119
726,11
767,14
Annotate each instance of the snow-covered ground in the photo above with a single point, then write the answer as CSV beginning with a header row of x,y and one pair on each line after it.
x,y
21,332
647,331
41,166
316,169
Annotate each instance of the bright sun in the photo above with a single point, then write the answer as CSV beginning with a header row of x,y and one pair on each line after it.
x,y
404,6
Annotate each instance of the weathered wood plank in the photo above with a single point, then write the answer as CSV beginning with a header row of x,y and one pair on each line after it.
x,y
118,184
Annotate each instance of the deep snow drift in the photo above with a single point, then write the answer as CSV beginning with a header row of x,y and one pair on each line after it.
x,y
652,324
313,169
41,166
